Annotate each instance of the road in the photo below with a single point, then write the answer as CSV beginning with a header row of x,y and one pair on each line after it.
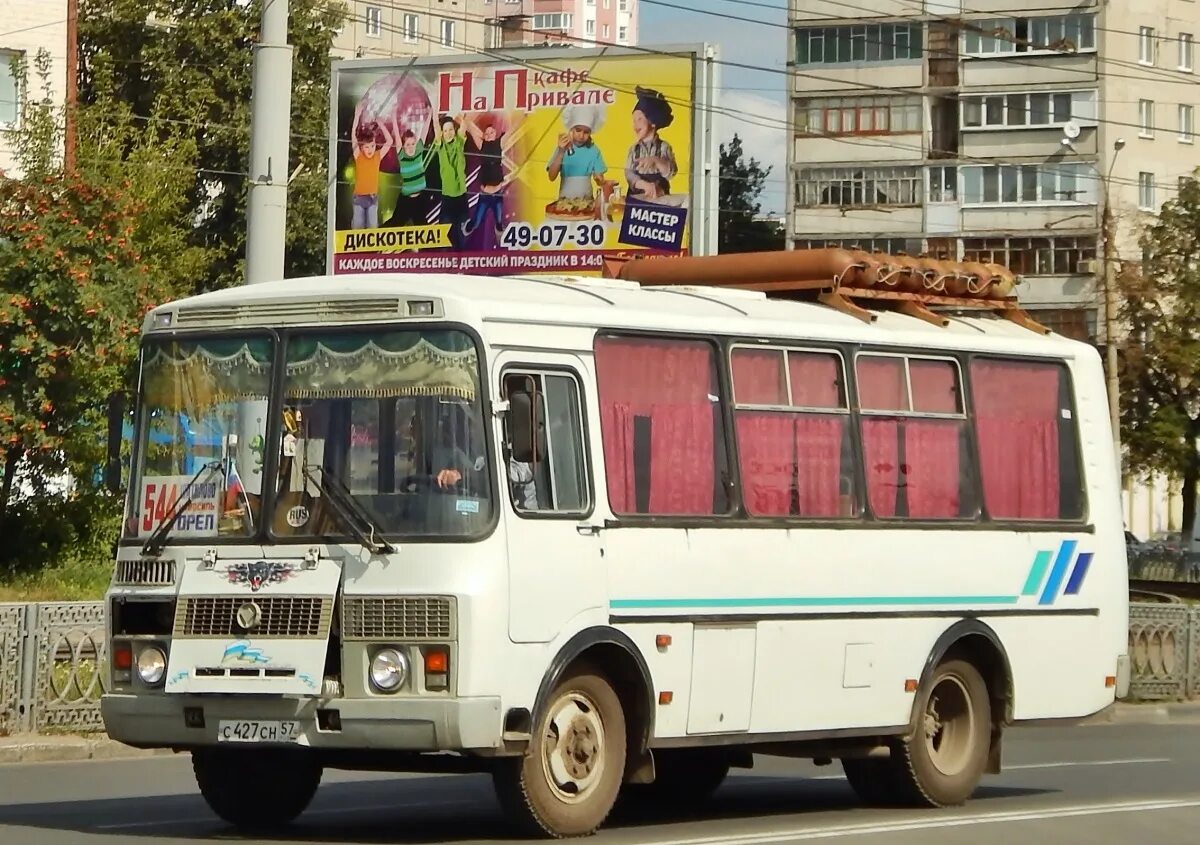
x,y
1087,785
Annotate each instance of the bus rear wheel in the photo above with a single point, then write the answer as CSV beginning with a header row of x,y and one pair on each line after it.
x,y
942,763
259,790
873,780
568,781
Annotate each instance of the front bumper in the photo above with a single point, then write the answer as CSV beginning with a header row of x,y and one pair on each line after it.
x,y
462,724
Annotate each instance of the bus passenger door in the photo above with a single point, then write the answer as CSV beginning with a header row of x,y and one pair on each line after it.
x,y
554,545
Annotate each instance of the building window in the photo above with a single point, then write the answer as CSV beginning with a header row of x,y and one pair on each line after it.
x,y
589,26
1185,123
1052,34
1060,256
859,116
1010,184
842,187
623,5
1049,108
1146,118
447,33
607,31
622,33
1146,45
559,21
374,19
791,419
1025,428
10,89
412,28
914,436
1146,191
664,449
889,246
841,45
943,184
1185,51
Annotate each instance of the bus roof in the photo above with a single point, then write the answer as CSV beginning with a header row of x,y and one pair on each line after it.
x,y
584,302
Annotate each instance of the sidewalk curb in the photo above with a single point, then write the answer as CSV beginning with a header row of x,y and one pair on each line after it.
x,y
33,748
1149,713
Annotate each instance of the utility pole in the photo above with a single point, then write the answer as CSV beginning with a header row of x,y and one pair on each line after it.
x,y
72,85
270,130
1110,308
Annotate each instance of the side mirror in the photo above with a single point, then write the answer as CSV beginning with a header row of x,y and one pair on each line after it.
x,y
521,426
116,426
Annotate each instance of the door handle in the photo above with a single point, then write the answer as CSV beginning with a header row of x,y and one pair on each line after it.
x,y
587,530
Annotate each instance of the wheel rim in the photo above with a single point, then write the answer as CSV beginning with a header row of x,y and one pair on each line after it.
x,y
949,726
573,747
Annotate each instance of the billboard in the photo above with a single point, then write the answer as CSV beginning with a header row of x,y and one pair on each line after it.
x,y
543,160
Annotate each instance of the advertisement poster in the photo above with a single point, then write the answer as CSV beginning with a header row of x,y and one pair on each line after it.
x,y
546,164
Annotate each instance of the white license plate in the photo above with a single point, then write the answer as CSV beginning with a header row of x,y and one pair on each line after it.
x,y
250,730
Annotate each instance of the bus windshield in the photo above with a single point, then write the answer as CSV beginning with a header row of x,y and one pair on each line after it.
x,y
392,418
203,402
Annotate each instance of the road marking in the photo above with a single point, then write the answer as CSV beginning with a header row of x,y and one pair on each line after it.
x,y
332,811
1065,764
998,817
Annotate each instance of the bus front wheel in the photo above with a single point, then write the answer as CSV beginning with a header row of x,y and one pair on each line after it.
x,y
942,763
568,781
259,790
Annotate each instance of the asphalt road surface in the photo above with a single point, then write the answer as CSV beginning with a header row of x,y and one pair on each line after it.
x,y
1088,785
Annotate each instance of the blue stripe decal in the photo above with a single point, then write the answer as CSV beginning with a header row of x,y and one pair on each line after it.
x,y
1079,573
807,601
1036,574
1065,552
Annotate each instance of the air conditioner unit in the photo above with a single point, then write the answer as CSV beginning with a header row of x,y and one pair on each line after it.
x,y
1088,267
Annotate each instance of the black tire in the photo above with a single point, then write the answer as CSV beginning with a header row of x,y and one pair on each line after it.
x,y
682,777
943,762
258,790
873,780
567,782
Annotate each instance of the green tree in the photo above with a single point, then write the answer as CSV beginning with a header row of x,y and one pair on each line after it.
x,y
82,257
742,183
184,67
1160,370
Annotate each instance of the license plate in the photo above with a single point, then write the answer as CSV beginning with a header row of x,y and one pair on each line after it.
x,y
250,730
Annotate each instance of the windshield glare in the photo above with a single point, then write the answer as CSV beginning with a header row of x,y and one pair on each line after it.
x,y
396,417
202,401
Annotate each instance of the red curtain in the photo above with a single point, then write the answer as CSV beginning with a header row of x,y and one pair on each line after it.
x,y
766,453
816,380
819,464
1016,420
670,382
758,377
931,467
881,457
881,384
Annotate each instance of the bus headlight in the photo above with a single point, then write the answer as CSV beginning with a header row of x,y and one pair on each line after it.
x,y
389,668
151,666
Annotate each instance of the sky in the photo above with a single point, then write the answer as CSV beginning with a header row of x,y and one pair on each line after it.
x,y
754,102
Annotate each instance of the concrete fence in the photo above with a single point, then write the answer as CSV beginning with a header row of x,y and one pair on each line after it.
x,y
52,661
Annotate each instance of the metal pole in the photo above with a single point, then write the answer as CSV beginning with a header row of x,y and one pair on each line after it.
x,y
1110,311
72,84
270,129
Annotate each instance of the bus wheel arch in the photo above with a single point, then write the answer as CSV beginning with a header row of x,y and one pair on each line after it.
x,y
976,643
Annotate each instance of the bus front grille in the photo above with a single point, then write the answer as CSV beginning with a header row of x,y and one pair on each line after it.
x,y
302,617
145,573
398,618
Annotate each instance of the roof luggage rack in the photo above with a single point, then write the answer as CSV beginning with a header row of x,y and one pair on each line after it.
x,y
853,282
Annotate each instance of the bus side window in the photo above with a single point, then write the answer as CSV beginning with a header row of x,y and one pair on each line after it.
x,y
544,445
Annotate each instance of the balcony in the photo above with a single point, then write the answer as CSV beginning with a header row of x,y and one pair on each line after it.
x,y
507,9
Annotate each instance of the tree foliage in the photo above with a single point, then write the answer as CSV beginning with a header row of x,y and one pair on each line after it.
x,y
82,256
742,183
185,67
1160,372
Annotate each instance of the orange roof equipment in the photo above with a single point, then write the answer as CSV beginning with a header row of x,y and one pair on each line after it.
x,y
850,281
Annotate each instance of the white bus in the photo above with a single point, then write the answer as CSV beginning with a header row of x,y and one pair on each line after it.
x,y
589,536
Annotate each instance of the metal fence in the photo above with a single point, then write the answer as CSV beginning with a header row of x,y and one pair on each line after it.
x,y
52,662
52,659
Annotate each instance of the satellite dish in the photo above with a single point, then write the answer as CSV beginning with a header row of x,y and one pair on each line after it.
x,y
1071,129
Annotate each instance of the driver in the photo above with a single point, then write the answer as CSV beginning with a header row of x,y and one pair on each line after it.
x,y
448,458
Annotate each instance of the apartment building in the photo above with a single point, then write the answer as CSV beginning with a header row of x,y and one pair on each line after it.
x,y
992,130
30,26
444,27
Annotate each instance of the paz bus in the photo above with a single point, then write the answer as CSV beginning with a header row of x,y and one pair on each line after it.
x,y
595,535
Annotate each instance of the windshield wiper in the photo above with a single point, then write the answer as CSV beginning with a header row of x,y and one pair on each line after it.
x,y
155,542
353,515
